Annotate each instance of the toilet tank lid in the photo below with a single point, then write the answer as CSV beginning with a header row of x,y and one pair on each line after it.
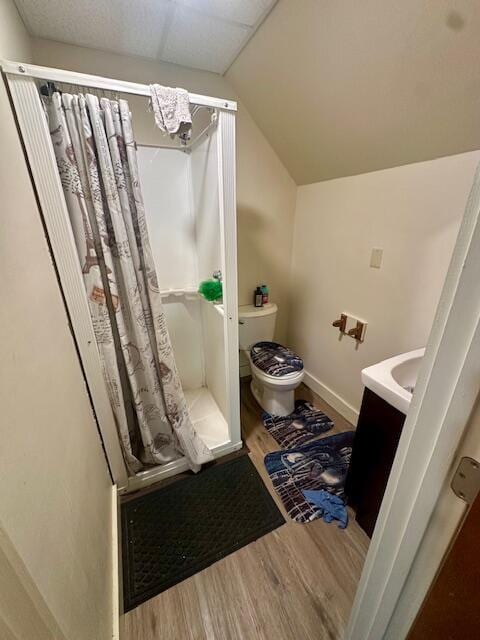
x,y
250,311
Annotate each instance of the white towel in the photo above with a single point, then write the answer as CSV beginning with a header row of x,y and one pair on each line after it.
x,y
171,108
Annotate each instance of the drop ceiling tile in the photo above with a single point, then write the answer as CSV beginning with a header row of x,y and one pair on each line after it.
x,y
122,26
248,12
201,42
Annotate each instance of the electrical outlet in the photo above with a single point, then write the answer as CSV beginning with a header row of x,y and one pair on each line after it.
x,y
376,258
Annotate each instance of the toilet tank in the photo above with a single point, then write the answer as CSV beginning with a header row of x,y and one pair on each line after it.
x,y
256,324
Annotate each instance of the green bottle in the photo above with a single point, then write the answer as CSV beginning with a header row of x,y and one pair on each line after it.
x,y
264,289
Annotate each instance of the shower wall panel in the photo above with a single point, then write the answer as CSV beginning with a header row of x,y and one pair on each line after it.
x,y
205,198
184,321
183,217
165,180
214,350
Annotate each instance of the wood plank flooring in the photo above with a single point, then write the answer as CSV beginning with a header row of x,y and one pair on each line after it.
x,y
297,582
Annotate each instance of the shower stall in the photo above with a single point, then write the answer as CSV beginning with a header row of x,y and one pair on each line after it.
x,y
189,197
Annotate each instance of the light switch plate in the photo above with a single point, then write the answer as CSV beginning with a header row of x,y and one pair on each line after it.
x,y
376,258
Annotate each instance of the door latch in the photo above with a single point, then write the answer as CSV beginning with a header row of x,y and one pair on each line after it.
x,y
466,481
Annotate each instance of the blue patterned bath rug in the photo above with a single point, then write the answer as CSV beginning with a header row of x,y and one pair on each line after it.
x,y
322,464
299,427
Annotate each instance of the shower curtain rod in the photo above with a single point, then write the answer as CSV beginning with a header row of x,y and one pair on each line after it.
x,y
108,84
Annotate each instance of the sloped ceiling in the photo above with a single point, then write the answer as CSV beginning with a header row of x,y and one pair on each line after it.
x,y
201,34
341,87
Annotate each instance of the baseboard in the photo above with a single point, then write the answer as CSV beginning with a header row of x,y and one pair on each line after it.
x,y
115,567
333,399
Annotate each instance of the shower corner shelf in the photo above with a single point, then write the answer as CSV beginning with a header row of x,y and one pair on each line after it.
x,y
189,293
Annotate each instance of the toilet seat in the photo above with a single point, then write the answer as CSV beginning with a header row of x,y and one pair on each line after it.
x,y
275,361
285,380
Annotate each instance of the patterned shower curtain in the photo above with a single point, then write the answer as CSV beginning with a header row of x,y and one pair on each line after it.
x,y
97,161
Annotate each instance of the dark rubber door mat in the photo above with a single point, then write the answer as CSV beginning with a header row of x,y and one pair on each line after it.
x,y
171,534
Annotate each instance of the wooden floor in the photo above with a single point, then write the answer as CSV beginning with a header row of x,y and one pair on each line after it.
x,y
297,582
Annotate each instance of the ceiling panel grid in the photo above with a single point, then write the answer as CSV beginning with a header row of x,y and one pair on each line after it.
x,y
201,34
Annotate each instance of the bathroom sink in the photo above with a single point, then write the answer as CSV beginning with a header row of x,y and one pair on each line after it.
x,y
394,379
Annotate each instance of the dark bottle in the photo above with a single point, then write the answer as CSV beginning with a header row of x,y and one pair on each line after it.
x,y
258,297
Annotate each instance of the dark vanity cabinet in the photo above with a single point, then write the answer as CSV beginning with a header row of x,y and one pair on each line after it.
x,y
374,447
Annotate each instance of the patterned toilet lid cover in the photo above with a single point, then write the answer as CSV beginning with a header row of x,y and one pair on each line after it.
x,y
274,359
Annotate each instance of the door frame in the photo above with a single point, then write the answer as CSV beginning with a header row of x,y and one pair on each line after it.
x,y
446,389
445,394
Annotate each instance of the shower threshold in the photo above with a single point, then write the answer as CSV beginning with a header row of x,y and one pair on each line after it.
x,y
211,426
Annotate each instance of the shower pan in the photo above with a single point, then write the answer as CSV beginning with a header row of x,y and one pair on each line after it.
x,y
189,196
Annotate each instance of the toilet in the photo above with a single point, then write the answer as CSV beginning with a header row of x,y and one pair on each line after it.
x,y
276,370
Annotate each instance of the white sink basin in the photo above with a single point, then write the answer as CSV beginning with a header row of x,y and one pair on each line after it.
x,y
394,379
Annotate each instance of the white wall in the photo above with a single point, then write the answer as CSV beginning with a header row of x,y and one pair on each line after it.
x,y
413,212
55,492
265,191
265,210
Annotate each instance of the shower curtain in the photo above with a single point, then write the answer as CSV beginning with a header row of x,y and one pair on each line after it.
x,y
97,161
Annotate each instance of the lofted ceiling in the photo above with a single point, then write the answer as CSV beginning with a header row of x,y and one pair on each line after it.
x,y
201,34
342,87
